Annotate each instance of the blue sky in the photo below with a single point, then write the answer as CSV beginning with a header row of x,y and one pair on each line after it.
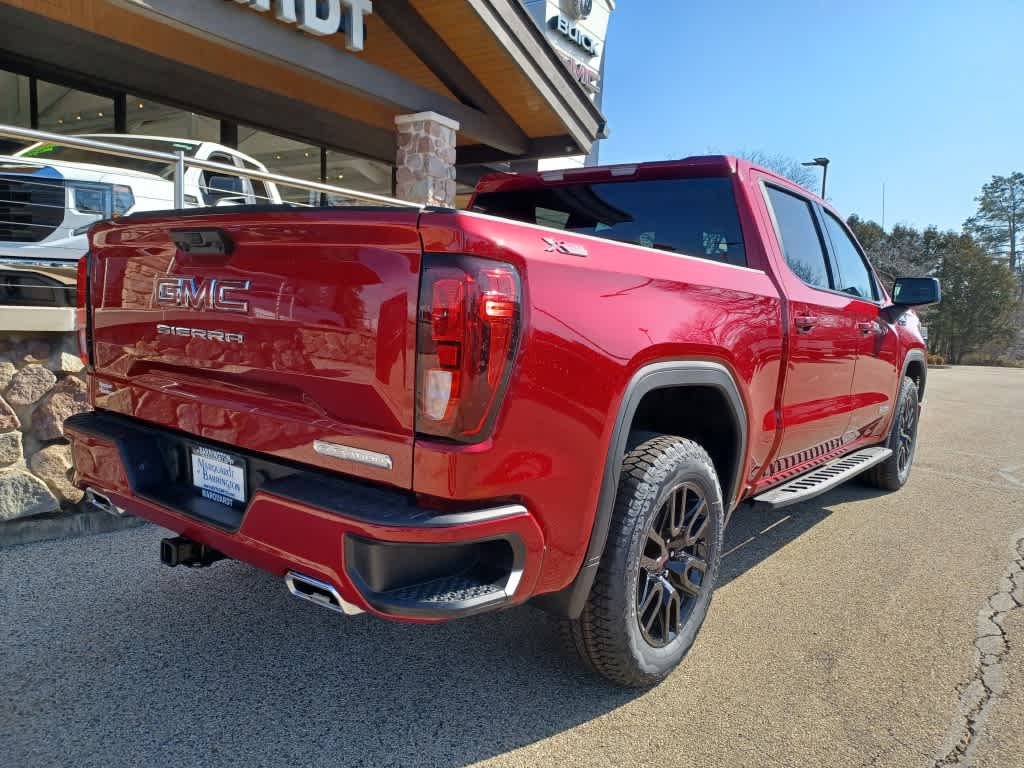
x,y
927,97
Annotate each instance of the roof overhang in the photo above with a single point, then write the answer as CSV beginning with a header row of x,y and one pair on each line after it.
x,y
519,34
484,63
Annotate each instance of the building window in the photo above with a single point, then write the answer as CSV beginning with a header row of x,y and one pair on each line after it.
x,y
32,103
344,170
309,162
151,118
284,156
15,107
68,110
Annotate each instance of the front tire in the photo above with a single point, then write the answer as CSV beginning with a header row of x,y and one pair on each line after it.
x,y
656,578
892,474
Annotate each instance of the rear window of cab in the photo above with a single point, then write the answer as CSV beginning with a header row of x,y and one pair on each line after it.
x,y
695,217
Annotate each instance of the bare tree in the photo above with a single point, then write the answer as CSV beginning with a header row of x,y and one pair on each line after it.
x,y
901,252
785,166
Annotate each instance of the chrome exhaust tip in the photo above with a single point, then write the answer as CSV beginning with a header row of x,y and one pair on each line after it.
x,y
319,592
99,501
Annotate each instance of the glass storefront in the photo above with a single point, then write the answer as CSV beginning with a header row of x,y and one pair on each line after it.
x,y
311,163
356,173
68,110
15,106
285,156
147,117
50,106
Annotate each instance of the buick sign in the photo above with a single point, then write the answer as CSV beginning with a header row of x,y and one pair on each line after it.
x,y
566,28
320,17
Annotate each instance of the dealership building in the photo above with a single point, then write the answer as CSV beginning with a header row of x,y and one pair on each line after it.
x,y
339,91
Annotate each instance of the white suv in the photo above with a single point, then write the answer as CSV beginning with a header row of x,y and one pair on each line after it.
x,y
51,194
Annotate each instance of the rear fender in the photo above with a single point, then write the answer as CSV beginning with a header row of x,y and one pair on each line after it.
x,y
570,601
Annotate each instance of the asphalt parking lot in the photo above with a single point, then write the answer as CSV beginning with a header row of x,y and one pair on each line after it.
x,y
845,634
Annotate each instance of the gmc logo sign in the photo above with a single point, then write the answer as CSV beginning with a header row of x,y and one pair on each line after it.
x,y
214,294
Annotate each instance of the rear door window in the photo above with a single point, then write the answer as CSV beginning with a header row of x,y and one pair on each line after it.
x,y
695,217
801,242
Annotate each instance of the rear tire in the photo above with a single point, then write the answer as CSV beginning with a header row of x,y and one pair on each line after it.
x,y
659,567
892,474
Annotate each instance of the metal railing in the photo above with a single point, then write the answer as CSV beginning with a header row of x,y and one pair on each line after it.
x,y
181,162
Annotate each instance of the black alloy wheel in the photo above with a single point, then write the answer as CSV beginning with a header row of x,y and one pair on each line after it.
x,y
893,473
674,565
906,434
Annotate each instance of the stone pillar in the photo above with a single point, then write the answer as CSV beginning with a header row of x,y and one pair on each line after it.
x,y
426,159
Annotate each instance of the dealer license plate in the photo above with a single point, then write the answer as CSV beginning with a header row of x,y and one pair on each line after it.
x,y
219,476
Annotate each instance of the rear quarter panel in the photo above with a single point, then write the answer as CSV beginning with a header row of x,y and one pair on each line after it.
x,y
589,324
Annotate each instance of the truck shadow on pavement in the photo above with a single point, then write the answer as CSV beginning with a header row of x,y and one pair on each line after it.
x,y
755,534
146,665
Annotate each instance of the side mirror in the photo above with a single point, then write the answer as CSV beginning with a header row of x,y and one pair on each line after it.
x,y
912,292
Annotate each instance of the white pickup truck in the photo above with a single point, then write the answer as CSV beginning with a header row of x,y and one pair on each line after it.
x,y
51,194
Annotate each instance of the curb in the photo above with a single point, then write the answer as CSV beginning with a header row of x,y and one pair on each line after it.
x,y
35,529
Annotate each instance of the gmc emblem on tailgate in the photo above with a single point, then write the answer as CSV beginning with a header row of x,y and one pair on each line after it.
x,y
214,294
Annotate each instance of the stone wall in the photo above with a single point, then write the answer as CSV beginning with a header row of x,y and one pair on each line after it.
x,y
42,383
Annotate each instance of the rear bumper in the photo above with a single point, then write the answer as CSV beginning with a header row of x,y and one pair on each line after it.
x,y
382,552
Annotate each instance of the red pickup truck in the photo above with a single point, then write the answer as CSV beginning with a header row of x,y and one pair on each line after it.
x,y
559,396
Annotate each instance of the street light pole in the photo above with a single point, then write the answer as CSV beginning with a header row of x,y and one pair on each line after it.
x,y
823,162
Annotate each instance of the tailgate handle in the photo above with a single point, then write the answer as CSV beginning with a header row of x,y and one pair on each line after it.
x,y
203,241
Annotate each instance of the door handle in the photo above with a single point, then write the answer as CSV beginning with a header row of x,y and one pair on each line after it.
x,y
804,323
868,327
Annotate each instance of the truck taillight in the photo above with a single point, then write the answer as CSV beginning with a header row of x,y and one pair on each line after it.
x,y
468,326
81,313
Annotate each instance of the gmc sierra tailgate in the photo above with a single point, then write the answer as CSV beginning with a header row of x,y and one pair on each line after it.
x,y
287,332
